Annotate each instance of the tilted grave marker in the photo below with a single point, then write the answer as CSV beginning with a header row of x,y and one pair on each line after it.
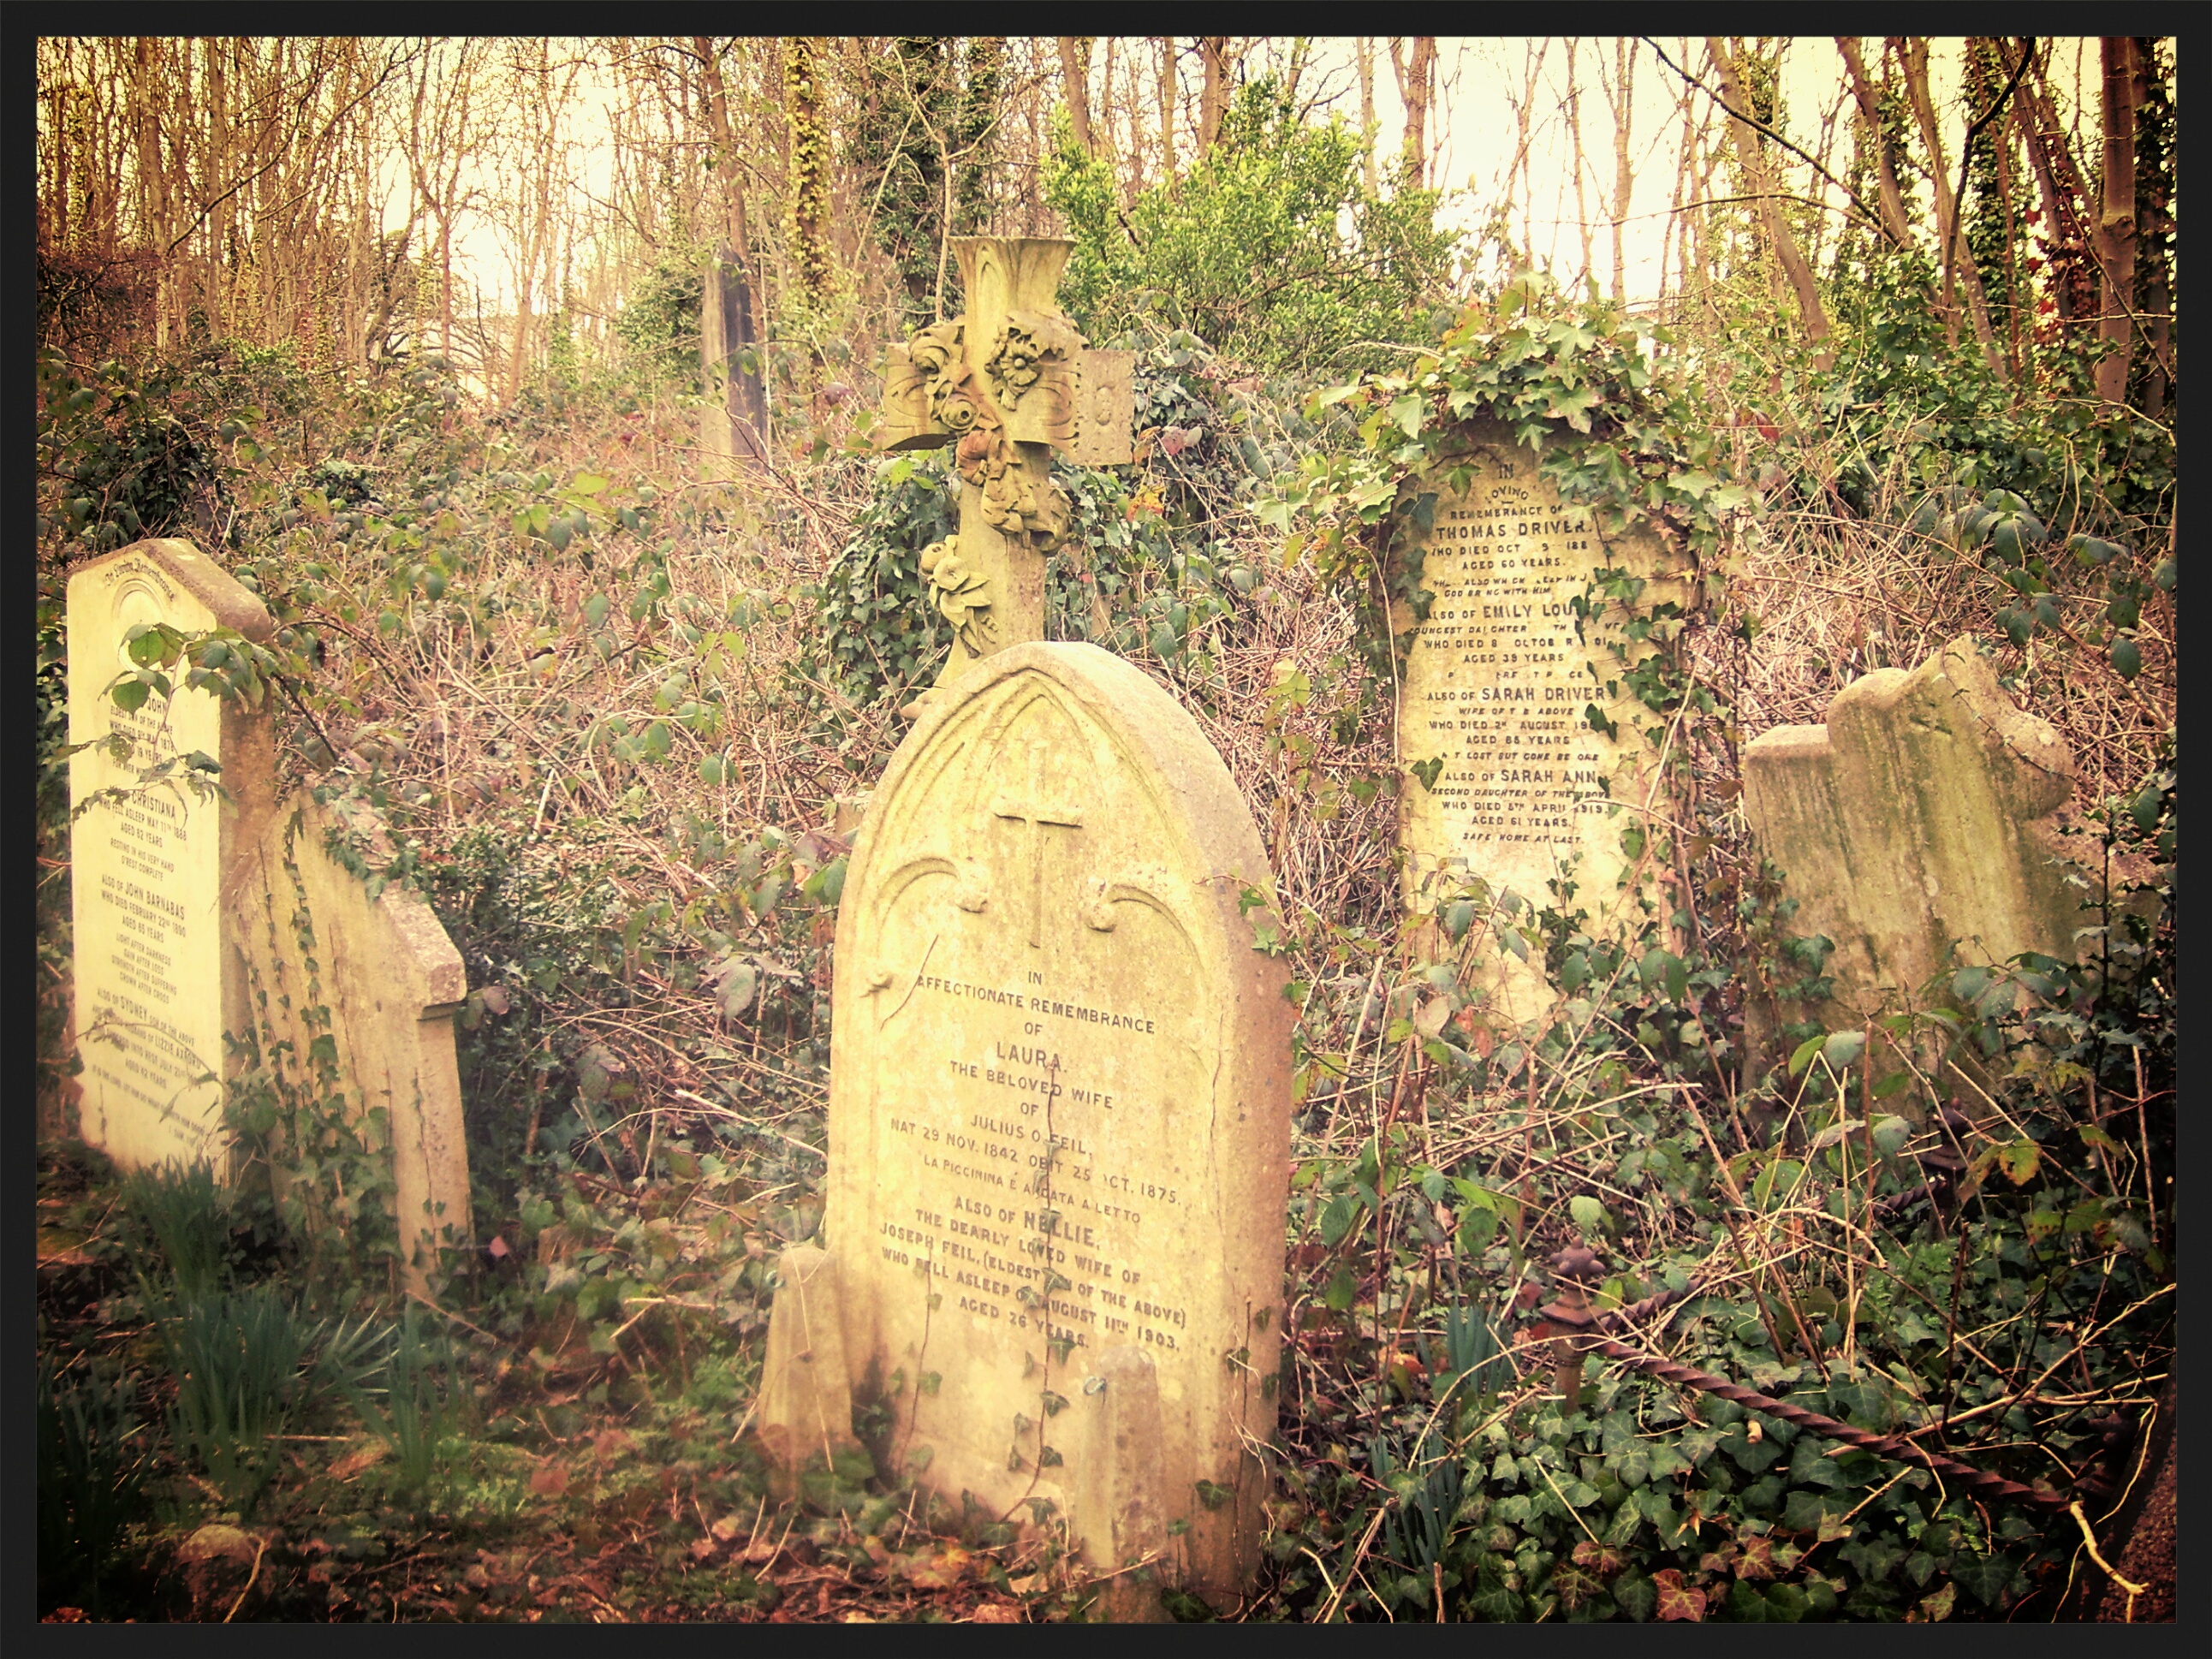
x,y
1059,1123
1497,690
201,915
1927,810
1007,382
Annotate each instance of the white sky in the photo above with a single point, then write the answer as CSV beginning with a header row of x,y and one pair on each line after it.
x,y
1480,80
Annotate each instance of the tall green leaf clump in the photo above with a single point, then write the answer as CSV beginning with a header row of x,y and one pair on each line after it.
x,y
1268,248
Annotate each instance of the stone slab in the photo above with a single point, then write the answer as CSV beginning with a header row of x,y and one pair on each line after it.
x,y
380,980
153,872
1497,684
1927,809
1060,1106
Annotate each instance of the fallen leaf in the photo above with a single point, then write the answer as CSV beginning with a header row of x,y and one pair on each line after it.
x,y
610,1442
550,1480
996,1613
728,1528
701,1548
495,998
360,1457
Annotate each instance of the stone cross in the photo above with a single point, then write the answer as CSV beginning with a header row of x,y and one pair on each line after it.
x,y
1007,383
1038,814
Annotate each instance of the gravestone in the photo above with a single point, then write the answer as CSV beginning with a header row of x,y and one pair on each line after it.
x,y
1498,689
733,419
1006,383
1059,1125
202,914
1927,809
156,867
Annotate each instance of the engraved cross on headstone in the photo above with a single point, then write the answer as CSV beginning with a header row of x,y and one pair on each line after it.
x,y
1038,813
1006,383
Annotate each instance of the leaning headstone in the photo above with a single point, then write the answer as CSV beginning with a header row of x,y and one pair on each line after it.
x,y
350,1001
1059,1124
1007,382
733,415
1926,813
1499,691
222,944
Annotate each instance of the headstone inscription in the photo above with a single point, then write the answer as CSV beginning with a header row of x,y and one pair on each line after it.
x,y
1928,811
156,861
1500,686
1058,1121
218,941
1007,382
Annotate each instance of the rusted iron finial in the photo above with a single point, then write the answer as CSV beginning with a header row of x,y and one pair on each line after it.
x,y
1574,1269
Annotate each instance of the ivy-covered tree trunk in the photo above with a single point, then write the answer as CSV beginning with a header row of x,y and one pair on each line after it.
x,y
806,171
1794,264
2154,227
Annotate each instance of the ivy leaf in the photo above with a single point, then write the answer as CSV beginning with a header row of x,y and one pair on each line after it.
x,y
1677,1600
2019,1162
1986,1578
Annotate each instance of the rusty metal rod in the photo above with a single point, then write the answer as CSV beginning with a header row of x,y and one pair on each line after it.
x,y
1964,1474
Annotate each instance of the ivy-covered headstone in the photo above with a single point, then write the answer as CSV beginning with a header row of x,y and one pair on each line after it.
x,y
1528,752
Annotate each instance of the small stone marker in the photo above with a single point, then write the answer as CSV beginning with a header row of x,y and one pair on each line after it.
x,y
1926,810
197,916
1058,1121
1007,382
1497,690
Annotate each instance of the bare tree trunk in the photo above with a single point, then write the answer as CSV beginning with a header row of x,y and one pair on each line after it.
x,y
2115,220
1809,308
1869,102
1620,96
1574,139
1416,74
1364,48
1912,54
1075,86
1167,108
1215,60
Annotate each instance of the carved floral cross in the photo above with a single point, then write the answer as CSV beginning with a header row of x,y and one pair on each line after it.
x,y
1006,384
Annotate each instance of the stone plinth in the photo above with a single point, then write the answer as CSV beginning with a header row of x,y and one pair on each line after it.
x,y
1058,1118
1497,687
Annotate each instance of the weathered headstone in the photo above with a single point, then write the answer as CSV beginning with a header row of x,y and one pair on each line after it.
x,y
218,940
156,868
733,419
1926,812
1058,1121
351,1002
1500,686
1006,383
